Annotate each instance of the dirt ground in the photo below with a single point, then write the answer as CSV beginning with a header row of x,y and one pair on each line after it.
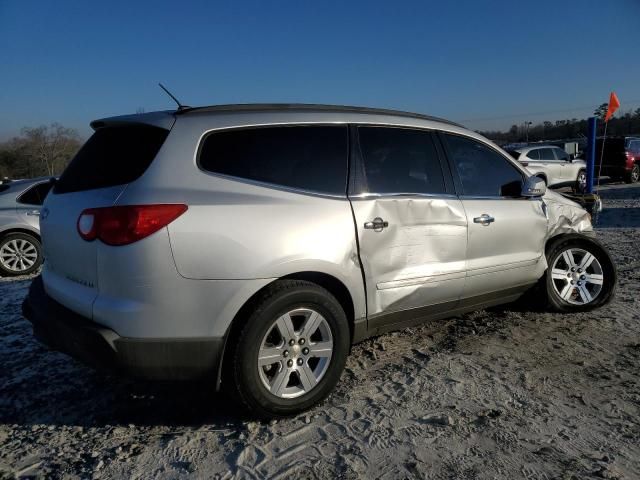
x,y
506,393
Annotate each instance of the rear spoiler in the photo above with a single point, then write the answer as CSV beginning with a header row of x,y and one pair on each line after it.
x,y
163,119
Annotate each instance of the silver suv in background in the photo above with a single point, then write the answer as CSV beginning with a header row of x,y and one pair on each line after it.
x,y
252,245
553,165
20,203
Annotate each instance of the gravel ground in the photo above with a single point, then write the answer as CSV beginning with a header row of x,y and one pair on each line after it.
x,y
509,393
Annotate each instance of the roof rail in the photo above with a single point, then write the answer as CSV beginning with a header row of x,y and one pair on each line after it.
x,y
247,107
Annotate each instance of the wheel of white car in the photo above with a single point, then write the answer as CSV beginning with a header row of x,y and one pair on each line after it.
x,y
290,352
20,254
580,274
581,182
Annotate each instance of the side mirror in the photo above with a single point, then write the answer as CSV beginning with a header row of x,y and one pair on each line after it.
x,y
534,187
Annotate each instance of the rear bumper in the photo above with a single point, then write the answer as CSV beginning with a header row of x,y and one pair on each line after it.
x,y
100,347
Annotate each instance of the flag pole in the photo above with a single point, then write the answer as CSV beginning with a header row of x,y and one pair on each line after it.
x,y
604,138
613,105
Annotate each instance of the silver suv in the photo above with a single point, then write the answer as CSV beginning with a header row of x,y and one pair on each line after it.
x,y
252,245
20,203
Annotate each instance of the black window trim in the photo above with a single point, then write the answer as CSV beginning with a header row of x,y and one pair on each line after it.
x,y
270,185
27,190
357,165
456,176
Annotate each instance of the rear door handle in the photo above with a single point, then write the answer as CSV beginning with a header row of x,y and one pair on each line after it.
x,y
377,224
484,219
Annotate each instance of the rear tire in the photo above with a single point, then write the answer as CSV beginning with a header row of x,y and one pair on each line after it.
x,y
580,274
20,254
290,352
634,175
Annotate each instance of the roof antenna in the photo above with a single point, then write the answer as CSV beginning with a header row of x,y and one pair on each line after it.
x,y
180,106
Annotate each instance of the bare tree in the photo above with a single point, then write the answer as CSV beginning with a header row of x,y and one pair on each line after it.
x,y
49,148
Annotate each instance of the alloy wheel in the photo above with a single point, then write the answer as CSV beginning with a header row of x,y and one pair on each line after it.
x,y
577,276
18,255
295,353
582,181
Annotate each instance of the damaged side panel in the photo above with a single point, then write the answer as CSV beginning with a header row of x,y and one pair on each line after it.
x,y
565,216
419,258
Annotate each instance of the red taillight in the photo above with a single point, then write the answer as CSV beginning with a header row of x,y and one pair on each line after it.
x,y
126,224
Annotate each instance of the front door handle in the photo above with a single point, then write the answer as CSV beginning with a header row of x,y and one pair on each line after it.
x,y
484,219
377,224
34,213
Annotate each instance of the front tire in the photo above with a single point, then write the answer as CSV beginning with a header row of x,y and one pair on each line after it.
x,y
290,352
580,274
20,254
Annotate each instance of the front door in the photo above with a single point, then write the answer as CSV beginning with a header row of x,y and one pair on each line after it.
x,y
552,166
506,231
412,229
566,172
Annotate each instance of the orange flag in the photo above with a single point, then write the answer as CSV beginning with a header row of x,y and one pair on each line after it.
x,y
614,104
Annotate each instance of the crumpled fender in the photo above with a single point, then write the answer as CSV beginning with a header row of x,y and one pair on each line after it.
x,y
565,216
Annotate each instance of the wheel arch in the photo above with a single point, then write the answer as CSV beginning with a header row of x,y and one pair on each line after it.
x,y
567,237
26,231
329,282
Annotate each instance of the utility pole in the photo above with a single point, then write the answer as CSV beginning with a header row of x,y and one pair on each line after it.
x,y
526,124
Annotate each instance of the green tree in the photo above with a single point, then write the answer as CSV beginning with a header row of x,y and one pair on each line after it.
x,y
601,111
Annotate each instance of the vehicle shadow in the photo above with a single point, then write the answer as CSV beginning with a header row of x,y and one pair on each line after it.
x,y
42,387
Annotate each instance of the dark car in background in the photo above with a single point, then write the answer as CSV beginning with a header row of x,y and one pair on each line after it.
x,y
20,203
620,159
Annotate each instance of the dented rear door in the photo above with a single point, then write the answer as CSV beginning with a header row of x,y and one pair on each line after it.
x,y
412,230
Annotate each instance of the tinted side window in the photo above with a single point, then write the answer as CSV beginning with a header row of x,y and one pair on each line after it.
x,y
311,158
561,154
534,154
546,154
36,194
482,170
635,146
398,160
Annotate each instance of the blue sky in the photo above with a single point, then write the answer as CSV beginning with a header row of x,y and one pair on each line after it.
x,y
486,64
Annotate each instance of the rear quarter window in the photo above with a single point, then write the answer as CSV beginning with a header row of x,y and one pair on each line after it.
x,y
36,194
112,156
310,158
534,154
